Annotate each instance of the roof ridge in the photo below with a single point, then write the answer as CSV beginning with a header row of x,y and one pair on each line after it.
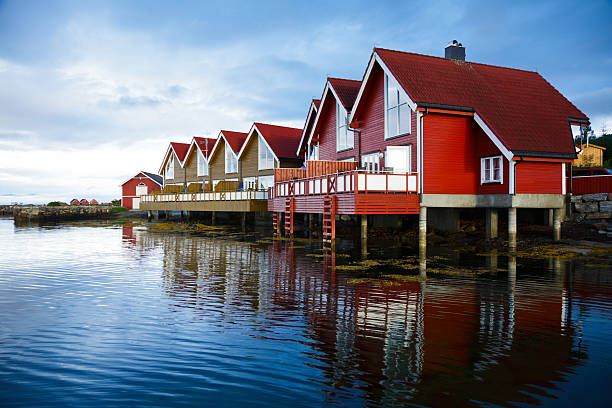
x,y
464,62
344,79
280,126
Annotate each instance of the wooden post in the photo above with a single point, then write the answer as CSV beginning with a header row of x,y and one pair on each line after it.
x,y
243,222
212,218
364,235
491,223
512,229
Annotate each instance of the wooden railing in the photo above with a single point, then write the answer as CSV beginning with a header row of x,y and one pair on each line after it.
x,y
217,196
590,184
357,181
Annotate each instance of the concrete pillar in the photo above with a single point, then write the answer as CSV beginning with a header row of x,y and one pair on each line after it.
x,y
512,229
550,217
364,235
213,218
492,261
557,224
243,222
149,215
423,229
491,223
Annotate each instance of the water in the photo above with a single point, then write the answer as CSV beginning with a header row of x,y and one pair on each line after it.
x,y
112,316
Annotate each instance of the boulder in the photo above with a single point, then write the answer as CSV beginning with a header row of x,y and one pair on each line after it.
x,y
595,197
605,206
576,199
586,207
598,216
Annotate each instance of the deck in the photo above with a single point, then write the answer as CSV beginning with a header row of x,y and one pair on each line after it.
x,y
356,192
230,201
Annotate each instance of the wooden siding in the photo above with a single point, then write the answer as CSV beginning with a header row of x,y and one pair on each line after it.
x,y
372,120
538,178
129,188
179,173
227,206
590,184
326,130
216,167
288,174
591,156
249,161
486,147
191,168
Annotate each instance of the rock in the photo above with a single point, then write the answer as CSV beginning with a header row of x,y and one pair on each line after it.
x,y
595,197
602,232
578,217
586,207
598,215
600,225
576,199
605,206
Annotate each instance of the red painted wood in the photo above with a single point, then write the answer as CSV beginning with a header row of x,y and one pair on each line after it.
x,y
538,178
288,174
372,120
485,147
326,130
317,168
591,184
128,189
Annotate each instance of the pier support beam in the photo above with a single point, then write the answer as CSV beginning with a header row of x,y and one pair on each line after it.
x,y
512,229
213,218
557,224
491,223
243,222
364,235
423,230
550,217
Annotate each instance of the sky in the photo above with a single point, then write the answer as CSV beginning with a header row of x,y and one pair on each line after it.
x,y
92,92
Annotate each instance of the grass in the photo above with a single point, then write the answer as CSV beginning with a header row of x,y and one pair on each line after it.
x,y
116,210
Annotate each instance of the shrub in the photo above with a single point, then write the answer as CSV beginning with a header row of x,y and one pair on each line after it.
x,y
118,209
56,204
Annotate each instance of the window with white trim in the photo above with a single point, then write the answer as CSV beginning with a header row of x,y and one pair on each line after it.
x,y
313,152
266,158
491,170
249,183
169,173
399,158
265,182
371,162
344,137
202,164
231,161
397,111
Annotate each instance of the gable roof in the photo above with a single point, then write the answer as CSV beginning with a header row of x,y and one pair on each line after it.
x,y
282,140
519,108
234,139
203,144
154,177
312,112
584,146
179,150
345,91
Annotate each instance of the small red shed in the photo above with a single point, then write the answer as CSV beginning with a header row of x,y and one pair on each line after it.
x,y
74,201
94,202
141,184
84,202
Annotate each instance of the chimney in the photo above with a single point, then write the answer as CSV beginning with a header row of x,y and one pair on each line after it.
x,y
455,50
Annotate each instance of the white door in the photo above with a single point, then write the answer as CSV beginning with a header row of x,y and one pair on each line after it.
x,y
399,158
135,203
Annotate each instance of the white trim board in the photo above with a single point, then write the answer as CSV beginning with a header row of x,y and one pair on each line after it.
x,y
327,88
246,142
507,153
312,107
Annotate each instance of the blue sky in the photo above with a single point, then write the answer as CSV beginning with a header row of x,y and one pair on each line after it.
x,y
92,92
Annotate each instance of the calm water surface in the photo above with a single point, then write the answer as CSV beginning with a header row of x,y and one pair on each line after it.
x,y
120,316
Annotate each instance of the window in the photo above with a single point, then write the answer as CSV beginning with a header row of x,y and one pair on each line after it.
x,y
491,170
399,158
313,152
371,162
169,173
265,182
397,118
266,158
231,161
202,164
344,137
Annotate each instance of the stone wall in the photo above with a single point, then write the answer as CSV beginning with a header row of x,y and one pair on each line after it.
x,y
43,213
594,209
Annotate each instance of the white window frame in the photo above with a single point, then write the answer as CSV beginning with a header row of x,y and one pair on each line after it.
x,y
403,101
408,151
487,176
313,152
230,158
345,139
264,182
268,161
169,173
202,164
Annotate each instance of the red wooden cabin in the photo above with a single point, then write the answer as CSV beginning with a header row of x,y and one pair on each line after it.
x,y
94,202
84,202
141,184
460,134
74,201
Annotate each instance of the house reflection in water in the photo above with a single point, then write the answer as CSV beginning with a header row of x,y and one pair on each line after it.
x,y
441,341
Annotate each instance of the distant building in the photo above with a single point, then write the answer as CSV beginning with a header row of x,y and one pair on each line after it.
x,y
141,184
84,202
590,156
94,202
74,201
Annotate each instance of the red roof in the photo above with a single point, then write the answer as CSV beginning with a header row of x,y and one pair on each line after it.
x,y
180,149
283,141
205,144
84,202
235,139
317,103
346,89
522,109
94,201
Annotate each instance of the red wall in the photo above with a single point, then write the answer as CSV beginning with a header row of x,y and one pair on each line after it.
x,y
538,178
372,120
452,149
326,128
129,188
